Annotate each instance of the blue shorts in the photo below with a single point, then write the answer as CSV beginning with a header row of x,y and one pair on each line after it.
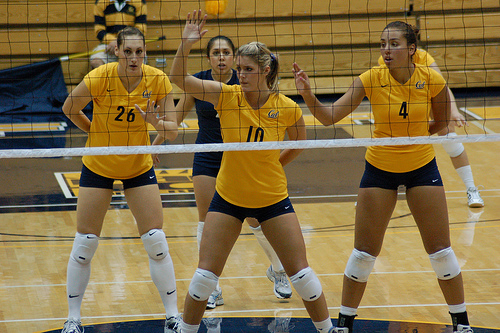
x,y
207,164
220,205
428,175
89,178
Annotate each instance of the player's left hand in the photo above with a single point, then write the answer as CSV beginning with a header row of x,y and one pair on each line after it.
x,y
156,159
458,118
150,115
301,79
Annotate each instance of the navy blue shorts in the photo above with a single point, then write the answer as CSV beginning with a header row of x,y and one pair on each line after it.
x,y
89,178
220,205
207,164
428,175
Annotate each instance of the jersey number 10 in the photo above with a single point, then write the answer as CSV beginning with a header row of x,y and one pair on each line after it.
x,y
259,134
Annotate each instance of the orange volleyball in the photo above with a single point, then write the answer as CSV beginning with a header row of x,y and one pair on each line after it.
x,y
215,7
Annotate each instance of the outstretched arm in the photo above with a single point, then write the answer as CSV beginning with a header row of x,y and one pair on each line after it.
x,y
183,107
328,115
205,90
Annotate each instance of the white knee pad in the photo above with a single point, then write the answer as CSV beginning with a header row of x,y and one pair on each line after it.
x,y
84,248
307,284
202,284
453,149
445,264
359,266
155,244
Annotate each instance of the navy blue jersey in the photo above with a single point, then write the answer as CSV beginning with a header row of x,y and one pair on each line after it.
x,y
208,164
208,120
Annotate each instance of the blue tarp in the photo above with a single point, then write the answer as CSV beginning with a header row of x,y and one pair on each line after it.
x,y
37,88
29,94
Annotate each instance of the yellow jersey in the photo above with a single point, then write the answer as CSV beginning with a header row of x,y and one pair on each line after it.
x,y
401,110
253,179
115,121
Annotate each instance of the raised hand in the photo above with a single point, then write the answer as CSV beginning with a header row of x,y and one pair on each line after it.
x,y
150,115
193,31
301,79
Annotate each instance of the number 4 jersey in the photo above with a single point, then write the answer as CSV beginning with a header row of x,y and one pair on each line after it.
x,y
115,122
256,178
401,110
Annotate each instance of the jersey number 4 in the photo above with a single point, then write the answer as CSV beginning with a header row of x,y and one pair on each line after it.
x,y
130,115
403,112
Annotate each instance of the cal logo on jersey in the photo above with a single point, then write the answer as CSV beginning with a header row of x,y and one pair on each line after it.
x,y
273,114
420,85
147,94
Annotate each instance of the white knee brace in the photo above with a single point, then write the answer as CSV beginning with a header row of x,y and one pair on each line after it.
x,y
84,248
307,284
453,149
359,266
155,244
445,264
202,284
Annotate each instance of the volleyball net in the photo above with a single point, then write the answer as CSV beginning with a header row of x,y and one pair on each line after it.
x,y
334,42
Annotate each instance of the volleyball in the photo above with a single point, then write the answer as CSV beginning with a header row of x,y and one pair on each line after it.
x,y
215,7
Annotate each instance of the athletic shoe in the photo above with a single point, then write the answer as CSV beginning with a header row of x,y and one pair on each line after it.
x,y
474,198
72,326
282,287
215,299
212,323
338,330
463,329
281,322
173,324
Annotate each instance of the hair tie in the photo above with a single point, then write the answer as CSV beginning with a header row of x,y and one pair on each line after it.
x,y
273,57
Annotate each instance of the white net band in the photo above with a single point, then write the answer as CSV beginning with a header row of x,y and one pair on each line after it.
x,y
240,146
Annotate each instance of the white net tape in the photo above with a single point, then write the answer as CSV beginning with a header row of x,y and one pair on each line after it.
x,y
240,146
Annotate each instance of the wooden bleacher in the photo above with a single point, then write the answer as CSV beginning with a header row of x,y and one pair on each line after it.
x,y
333,41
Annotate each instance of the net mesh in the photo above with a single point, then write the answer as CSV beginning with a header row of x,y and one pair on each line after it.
x,y
333,42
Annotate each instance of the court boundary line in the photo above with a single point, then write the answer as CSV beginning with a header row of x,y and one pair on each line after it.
x,y
242,278
326,196
215,312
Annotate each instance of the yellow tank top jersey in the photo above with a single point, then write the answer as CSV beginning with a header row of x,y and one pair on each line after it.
x,y
253,179
115,121
420,57
401,110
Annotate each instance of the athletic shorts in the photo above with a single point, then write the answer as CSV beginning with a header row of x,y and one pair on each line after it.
x,y
207,164
428,175
89,178
220,205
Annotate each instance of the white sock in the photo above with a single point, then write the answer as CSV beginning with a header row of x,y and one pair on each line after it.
x,y
465,173
186,328
457,308
78,272
77,278
268,249
199,232
347,311
163,276
323,326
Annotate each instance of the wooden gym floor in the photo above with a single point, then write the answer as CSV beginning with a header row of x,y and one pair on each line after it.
x,y
37,225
